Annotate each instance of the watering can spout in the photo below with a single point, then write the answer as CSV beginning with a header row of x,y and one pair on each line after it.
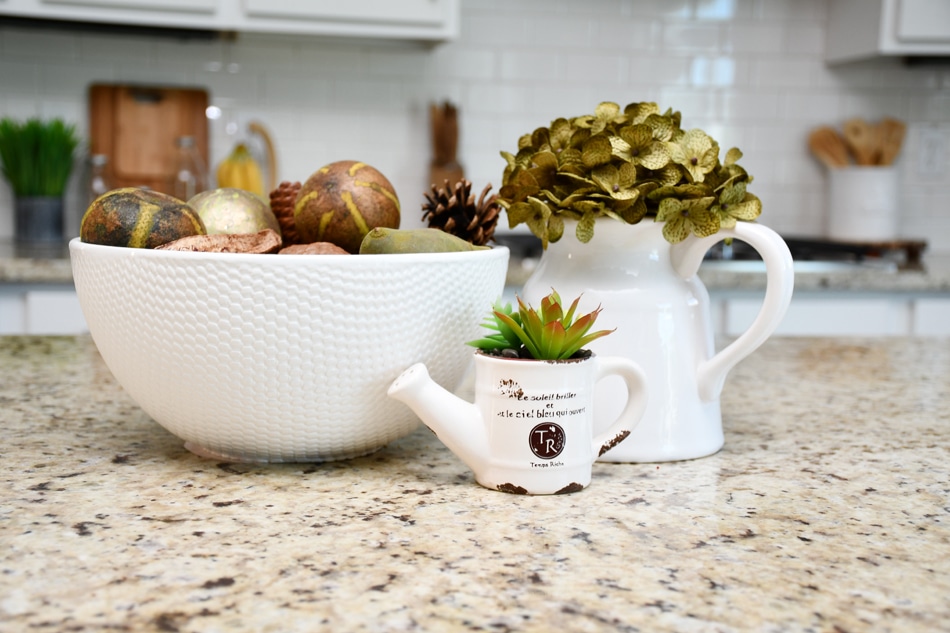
x,y
457,423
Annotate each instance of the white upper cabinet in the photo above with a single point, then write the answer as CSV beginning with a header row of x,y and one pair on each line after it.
x,y
863,29
423,20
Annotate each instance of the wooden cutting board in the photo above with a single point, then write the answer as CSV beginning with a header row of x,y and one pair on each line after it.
x,y
136,127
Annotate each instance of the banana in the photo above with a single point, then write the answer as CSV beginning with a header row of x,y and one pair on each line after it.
x,y
241,171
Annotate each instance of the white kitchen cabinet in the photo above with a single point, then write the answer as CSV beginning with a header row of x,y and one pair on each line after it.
x,y
423,20
931,317
40,309
863,29
825,313
826,316
187,6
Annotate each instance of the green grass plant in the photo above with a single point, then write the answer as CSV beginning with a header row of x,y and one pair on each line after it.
x,y
37,156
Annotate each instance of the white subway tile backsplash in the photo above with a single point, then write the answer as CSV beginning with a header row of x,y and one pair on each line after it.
x,y
112,48
41,45
134,71
240,87
713,71
815,11
462,64
661,8
749,37
873,104
723,10
399,64
691,37
20,78
71,79
694,104
549,33
634,34
321,59
656,70
749,106
494,28
749,72
782,73
804,39
496,98
528,65
602,69
810,107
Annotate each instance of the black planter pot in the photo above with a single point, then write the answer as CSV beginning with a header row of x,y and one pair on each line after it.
x,y
38,219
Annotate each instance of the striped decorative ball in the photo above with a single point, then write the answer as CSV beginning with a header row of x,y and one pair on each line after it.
x,y
138,218
341,202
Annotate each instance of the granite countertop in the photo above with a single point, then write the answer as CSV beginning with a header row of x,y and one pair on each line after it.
x,y
827,510
42,264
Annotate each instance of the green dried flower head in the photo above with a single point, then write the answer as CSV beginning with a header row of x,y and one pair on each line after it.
x,y
545,334
626,164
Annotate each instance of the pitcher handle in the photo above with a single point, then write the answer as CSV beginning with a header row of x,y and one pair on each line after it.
x,y
629,418
780,281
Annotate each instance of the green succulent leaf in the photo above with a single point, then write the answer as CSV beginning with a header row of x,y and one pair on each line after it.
x,y
547,333
501,335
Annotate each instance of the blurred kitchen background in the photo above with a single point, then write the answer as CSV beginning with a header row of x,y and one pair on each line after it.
x,y
751,73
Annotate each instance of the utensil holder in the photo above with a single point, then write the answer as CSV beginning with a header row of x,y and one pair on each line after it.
x,y
863,204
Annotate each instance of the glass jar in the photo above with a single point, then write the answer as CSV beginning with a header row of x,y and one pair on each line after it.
x,y
99,181
190,176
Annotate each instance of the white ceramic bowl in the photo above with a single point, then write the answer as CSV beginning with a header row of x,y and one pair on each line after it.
x,y
282,357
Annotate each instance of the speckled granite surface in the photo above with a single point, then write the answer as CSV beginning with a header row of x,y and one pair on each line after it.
x,y
34,264
828,510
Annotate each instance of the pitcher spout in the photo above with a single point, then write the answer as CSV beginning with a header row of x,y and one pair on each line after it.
x,y
457,423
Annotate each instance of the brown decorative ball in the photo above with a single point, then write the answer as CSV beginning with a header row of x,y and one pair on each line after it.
x,y
138,218
342,202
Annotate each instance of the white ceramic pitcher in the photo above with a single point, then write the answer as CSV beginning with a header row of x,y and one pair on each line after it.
x,y
650,292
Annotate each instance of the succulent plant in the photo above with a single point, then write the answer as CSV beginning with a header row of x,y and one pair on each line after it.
x,y
548,334
626,165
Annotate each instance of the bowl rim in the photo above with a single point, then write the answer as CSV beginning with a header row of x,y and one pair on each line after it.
x,y
76,245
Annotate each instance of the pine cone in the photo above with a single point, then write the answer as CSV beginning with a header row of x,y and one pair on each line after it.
x,y
282,202
456,212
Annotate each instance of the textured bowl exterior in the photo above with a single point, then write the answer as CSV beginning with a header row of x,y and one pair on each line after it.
x,y
282,357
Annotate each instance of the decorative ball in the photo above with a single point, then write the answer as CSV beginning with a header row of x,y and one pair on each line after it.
x,y
341,202
138,218
230,210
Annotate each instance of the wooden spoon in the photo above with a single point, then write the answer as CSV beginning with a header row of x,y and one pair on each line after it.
x,y
891,133
860,137
828,147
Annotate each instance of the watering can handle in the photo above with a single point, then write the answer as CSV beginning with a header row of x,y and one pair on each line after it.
x,y
636,382
780,280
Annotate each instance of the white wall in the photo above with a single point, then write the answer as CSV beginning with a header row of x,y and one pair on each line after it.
x,y
749,72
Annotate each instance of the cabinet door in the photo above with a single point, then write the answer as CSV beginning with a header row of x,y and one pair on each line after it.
x,y
423,12
807,316
923,21
191,6
932,317
54,312
12,309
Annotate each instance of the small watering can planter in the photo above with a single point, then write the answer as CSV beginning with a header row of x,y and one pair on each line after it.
x,y
530,430
650,293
